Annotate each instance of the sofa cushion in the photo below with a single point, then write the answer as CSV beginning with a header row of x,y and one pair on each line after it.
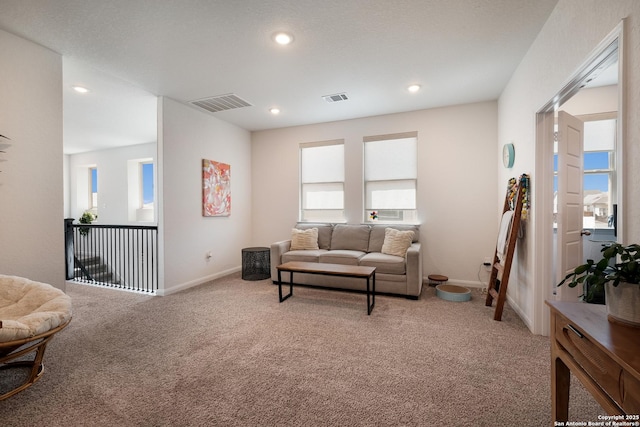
x,y
396,242
304,239
303,256
324,233
350,237
377,235
384,264
345,257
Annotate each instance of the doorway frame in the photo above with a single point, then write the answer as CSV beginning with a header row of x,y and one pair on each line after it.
x,y
543,191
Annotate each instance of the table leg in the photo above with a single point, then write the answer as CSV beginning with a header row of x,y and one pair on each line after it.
x,y
560,382
280,286
371,299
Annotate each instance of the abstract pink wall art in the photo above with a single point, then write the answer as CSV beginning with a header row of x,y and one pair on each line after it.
x,y
216,188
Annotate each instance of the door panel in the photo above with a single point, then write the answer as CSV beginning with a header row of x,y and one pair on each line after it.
x,y
570,199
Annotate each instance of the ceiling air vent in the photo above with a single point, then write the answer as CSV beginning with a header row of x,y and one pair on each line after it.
x,y
336,97
220,103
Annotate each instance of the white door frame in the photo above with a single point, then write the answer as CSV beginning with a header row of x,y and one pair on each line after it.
x,y
543,188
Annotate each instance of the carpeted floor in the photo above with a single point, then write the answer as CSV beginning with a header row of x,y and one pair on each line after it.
x,y
226,353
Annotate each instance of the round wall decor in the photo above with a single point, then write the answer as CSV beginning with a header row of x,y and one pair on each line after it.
x,y
508,155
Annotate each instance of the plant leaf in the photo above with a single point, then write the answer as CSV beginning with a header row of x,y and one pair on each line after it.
x,y
602,264
580,269
610,252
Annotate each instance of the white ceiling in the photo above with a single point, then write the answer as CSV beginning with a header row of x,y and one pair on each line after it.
x,y
114,112
128,51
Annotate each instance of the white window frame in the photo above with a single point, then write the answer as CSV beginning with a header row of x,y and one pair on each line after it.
x,y
401,213
136,211
332,184
93,201
611,169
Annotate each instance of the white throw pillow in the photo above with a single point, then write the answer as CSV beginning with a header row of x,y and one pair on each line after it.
x,y
304,239
396,242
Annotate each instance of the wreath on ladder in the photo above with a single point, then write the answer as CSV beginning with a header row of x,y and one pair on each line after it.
x,y
512,191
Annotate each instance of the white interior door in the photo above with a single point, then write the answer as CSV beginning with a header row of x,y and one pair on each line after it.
x,y
570,200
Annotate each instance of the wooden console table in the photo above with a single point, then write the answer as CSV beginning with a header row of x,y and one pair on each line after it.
x,y
368,273
603,355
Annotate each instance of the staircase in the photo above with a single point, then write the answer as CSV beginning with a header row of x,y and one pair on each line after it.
x,y
94,266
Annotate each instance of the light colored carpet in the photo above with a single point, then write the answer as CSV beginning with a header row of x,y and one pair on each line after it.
x,y
226,353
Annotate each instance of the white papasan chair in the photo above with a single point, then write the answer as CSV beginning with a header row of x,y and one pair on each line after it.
x,y
31,313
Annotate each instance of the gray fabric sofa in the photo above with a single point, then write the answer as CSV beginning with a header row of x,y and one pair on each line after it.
x,y
355,245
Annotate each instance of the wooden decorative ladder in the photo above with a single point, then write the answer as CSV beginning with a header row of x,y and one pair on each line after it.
x,y
499,279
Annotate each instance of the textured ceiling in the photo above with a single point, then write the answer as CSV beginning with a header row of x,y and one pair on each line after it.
x,y
460,51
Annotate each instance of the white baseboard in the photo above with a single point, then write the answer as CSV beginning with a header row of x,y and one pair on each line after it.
x,y
468,283
527,321
196,282
113,288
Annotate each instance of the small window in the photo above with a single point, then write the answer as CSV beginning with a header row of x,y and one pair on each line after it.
x,y
390,178
322,181
141,189
147,192
93,190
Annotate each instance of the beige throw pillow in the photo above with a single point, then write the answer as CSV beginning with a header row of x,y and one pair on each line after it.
x,y
396,242
304,239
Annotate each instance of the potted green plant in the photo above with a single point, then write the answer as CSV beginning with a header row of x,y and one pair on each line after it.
x,y
86,218
616,276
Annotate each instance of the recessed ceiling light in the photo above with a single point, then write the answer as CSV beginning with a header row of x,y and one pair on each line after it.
x,y
283,38
80,89
274,110
414,88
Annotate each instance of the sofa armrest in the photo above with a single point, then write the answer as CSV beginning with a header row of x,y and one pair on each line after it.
x,y
413,258
277,249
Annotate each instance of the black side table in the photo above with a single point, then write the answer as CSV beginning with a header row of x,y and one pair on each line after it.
x,y
256,263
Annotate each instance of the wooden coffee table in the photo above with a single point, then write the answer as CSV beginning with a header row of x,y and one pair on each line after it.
x,y
368,273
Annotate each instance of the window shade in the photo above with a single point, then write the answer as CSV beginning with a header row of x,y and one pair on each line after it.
x,y
322,181
390,159
600,135
322,164
390,194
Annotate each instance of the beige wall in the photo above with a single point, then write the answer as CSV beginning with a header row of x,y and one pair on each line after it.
x,y
572,32
31,196
186,137
457,195
593,101
113,181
